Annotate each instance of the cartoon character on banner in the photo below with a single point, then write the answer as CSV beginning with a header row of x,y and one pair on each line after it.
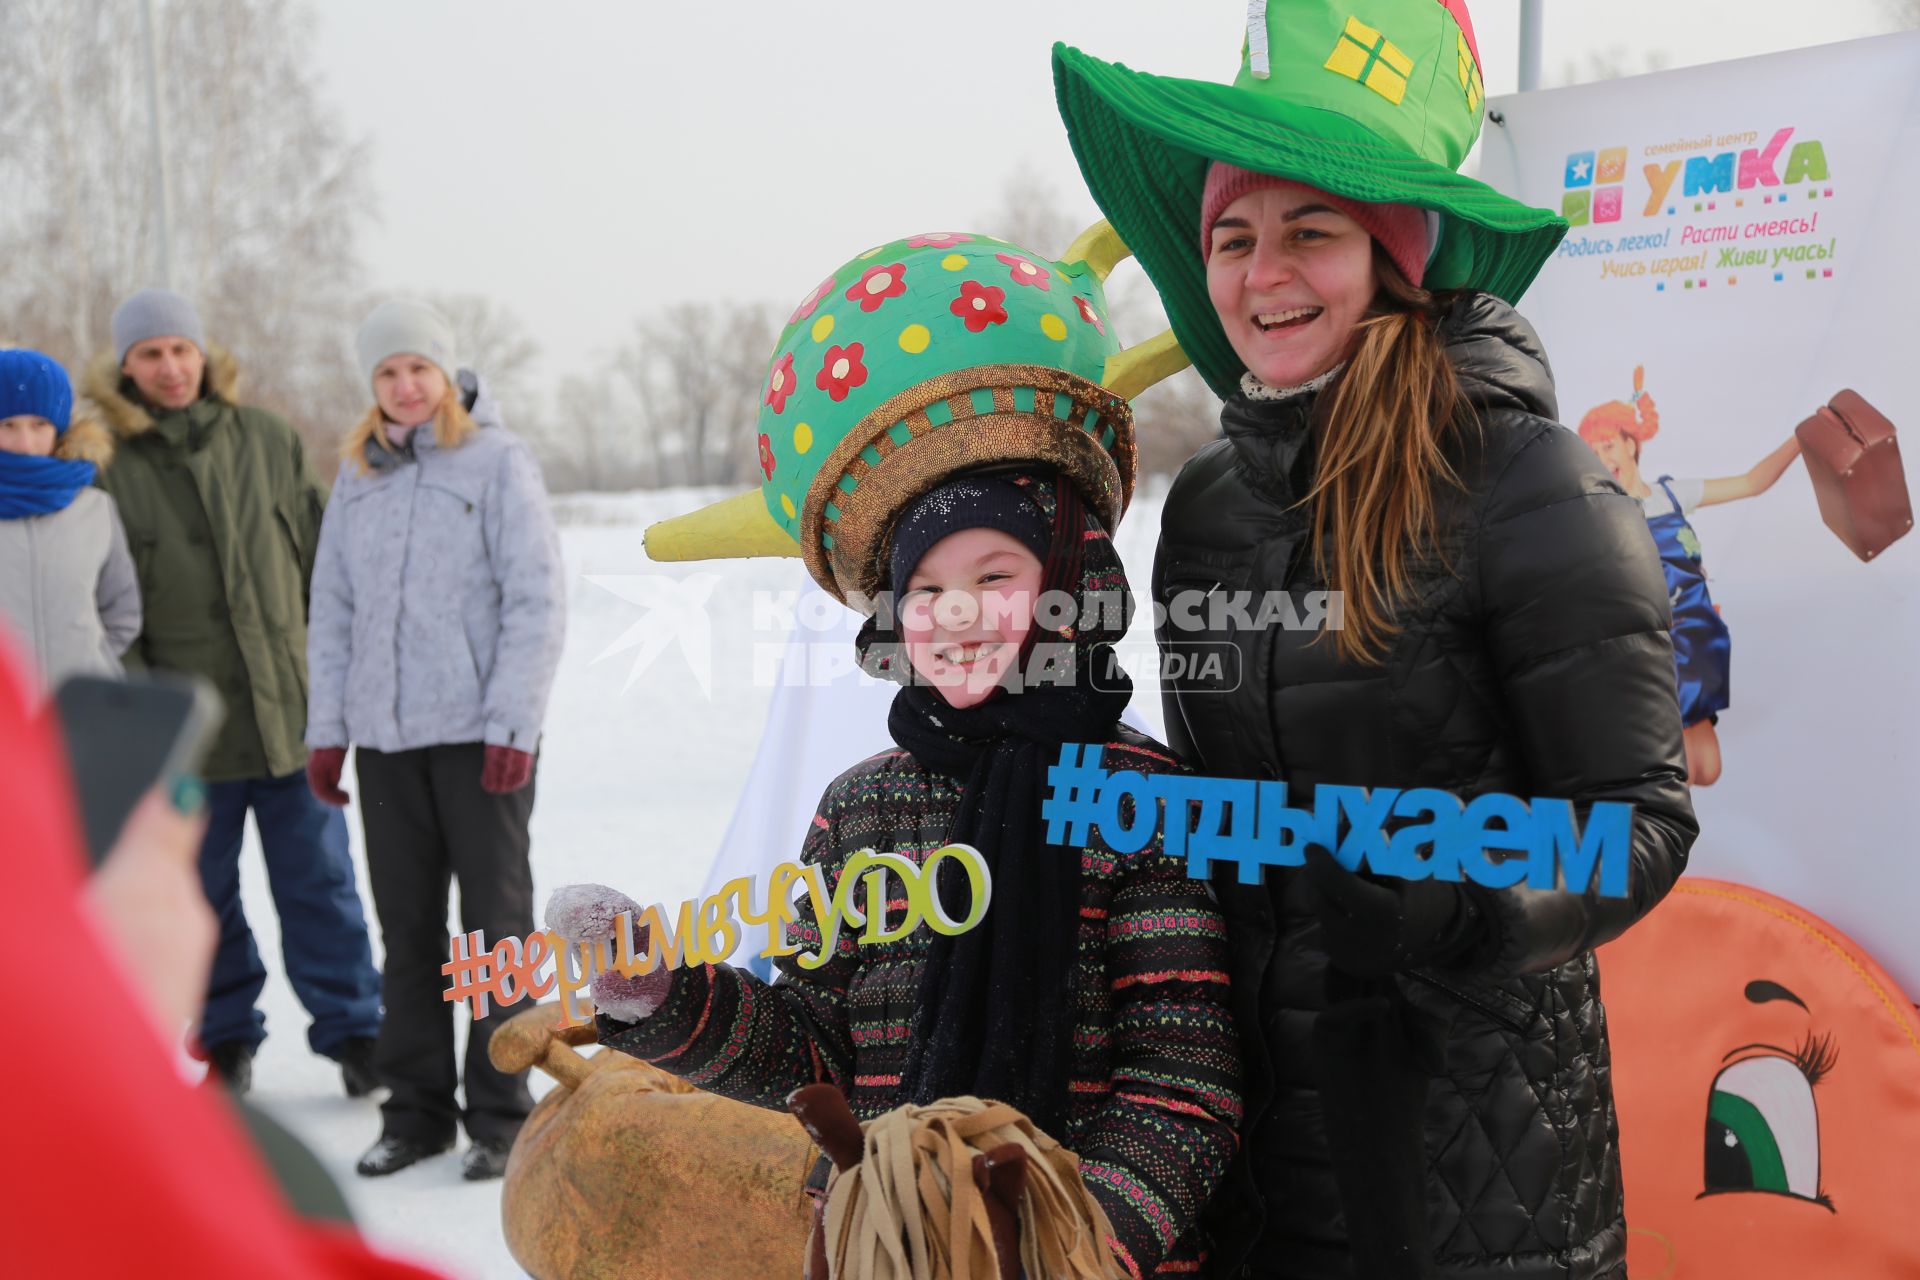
x,y
1769,1104
919,357
1701,645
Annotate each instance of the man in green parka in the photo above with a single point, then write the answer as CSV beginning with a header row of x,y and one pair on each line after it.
x,y
222,512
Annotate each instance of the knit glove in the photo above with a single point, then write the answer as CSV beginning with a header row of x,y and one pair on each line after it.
x,y
590,913
506,769
323,775
1372,926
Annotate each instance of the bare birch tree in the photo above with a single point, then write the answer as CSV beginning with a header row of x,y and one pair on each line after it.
x,y
266,191
490,339
588,441
694,374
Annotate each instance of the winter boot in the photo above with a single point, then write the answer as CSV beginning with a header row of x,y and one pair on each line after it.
x,y
486,1158
392,1154
232,1065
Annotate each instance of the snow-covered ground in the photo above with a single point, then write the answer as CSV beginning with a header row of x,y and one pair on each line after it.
x,y
637,785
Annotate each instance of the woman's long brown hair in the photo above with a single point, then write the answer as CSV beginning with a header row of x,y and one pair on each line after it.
x,y
1380,459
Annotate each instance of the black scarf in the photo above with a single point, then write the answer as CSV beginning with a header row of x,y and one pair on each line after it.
x,y
994,1017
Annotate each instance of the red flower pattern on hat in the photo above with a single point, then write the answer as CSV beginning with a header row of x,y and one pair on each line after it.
x,y
1025,271
878,284
937,240
766,455
781,383
812,300
842,370
1091,316
980,305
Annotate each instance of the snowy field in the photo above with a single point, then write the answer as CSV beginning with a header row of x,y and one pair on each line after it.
x,y
637,788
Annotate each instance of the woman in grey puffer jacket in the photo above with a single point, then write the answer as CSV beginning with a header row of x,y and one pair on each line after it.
x,y
437,617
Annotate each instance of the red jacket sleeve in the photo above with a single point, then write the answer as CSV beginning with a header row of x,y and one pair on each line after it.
x,y
132,1171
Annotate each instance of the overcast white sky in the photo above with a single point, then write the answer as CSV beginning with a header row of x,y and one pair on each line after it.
x,y
587,161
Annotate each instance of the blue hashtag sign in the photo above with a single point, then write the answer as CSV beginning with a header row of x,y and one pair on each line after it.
x,y
1073,783
1422,833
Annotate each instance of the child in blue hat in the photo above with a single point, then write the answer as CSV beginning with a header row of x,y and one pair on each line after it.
x,y
67,584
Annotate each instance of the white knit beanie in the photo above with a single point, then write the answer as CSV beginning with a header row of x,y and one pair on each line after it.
x,y
404,326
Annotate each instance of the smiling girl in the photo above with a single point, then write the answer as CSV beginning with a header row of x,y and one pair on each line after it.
x,y
1093,994
968,591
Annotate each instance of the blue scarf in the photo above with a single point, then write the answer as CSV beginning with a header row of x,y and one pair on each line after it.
x,y
34,486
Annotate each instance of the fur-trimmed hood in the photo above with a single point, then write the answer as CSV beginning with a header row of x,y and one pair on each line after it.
x,y
85,440
111,392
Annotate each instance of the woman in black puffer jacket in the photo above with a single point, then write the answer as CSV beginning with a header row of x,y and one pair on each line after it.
x,y
1426,1061
1535,667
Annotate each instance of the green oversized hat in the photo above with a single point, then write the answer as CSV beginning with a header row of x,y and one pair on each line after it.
x,y
921,357
1374,100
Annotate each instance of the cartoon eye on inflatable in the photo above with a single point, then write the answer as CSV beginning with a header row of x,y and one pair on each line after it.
x,y
1757,1049
1763,1129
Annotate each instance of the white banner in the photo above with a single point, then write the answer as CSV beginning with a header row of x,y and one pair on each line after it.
x,y
1746,234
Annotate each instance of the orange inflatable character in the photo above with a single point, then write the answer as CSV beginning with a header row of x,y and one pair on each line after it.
x,y
1767,1077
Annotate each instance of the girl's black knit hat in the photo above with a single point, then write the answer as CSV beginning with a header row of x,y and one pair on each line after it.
x,y
968,502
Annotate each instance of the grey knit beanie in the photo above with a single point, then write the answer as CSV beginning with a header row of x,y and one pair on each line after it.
x,y
405,326
155,313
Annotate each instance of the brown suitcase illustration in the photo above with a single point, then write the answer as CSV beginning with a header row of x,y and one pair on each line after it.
x,y
1853,458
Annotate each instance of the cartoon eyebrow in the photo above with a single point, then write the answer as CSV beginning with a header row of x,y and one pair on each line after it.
x,y
1761,991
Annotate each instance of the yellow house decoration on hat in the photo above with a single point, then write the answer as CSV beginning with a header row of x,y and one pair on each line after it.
x,y
1470,75
1365,55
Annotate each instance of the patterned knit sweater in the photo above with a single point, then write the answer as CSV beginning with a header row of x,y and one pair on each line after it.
x,y
1154,1073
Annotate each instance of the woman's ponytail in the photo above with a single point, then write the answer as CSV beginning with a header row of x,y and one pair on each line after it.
x,y
1380,455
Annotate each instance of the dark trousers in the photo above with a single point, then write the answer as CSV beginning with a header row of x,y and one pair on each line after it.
x,y
323,931
428,821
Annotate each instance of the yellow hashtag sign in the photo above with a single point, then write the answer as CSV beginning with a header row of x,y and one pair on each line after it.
x,y
1470,76
1365,55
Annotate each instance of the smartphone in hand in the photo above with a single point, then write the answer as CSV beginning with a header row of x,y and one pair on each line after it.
x,y
126,736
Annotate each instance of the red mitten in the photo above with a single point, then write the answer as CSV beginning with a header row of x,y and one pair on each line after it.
x,y
628,999
323,775
505,770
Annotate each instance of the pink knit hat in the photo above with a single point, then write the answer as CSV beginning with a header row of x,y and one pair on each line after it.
x,y
1401,229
